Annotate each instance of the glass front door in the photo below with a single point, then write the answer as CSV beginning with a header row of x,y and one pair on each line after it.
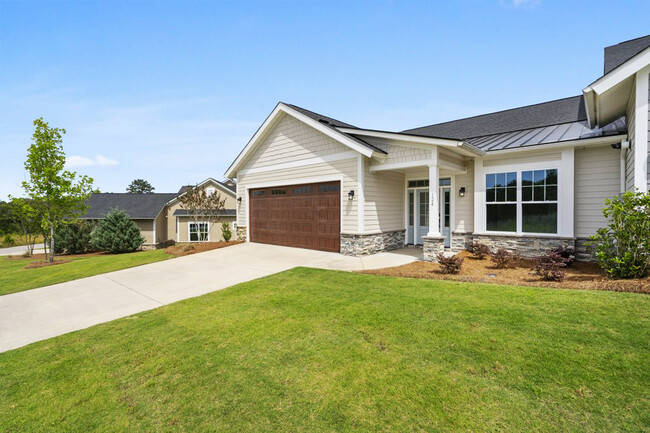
x,y
445,215
418,213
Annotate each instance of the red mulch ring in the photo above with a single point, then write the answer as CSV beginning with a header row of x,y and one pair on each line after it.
x,y
581,275
186,249
43,263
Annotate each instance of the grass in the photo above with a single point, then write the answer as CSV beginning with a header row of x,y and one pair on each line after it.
x,y
15,278
311,350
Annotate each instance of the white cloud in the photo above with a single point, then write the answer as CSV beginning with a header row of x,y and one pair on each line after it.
x,y
523,4
82,161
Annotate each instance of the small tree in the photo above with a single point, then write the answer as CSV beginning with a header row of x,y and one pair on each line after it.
x,y
225,231
117,233
27,221
74,238
57,196
140,186
623,247
202,206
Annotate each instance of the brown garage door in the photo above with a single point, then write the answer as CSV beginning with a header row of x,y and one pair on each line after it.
x,y
303,216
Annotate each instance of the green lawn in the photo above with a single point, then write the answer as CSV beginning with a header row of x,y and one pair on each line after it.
x,y
15,278
311,350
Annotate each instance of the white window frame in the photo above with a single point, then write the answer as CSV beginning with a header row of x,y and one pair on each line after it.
x,y
550,165
189,231
210,190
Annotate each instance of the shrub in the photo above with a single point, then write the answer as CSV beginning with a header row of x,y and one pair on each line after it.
x,y
502,258
117,233
449,265
623,247
74,238
480,251
225,231
8,240
166,244
549,266
568,254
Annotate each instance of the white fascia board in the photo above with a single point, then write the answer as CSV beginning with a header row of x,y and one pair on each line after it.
x,y
210,179
610,139
627,69
279,110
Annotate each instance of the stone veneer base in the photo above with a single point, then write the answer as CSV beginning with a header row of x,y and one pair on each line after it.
x,y
363,245
431,246
241,233
526,246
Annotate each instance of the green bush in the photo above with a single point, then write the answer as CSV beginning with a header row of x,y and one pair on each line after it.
x,y
623,247
74,238
225,231
117,233
8,241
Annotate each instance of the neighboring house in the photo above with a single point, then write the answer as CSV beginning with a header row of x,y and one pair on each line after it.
x,y
526,179
161,217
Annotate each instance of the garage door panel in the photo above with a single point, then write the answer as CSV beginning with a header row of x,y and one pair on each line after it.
x,y
305,216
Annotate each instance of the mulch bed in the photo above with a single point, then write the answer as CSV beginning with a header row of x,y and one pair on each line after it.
x,y
581,275
185,249
43,264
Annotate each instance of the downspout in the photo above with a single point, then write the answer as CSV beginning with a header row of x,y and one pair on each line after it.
x,y
625,145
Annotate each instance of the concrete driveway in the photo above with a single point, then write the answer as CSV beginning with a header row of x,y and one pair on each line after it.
x,y
38,314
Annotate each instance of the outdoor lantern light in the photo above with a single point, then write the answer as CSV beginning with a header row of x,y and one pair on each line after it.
x,y
238,200
351,195
461,191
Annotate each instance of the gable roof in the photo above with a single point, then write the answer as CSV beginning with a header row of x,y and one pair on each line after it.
x,y
616,55
232,188
560,111
138,206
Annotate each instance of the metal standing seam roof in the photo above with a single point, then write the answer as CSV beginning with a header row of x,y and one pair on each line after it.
x,y
138,206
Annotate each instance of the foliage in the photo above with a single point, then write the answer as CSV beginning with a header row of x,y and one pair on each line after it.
x,y
7,223
549,266
15,278
567,253
480,251
8,240
201,206
623,247
166,244
314,350
140,186
502,258
74,238
24,214
117,233
225,231
57,195
451,264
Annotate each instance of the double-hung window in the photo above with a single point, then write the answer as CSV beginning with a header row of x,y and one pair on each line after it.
x,y
199,232
533,210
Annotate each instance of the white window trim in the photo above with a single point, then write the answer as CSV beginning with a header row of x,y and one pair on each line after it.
x,y
189,224
564,201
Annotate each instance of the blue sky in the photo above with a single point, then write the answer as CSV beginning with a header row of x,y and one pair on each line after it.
x,y
171,91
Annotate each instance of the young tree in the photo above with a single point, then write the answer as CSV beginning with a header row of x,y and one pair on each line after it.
x,y
140,186
202,207
26,220
58,196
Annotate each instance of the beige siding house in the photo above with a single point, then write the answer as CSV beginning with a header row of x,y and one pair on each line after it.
x,y
527,179
161,217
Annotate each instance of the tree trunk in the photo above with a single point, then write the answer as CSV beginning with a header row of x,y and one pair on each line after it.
x,y
51,244
45,247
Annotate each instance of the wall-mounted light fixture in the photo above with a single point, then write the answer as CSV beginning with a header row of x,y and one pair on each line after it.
x,y
461,192
351,195
238,200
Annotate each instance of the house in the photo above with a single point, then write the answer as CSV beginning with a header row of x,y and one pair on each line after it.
x,y
526,179
161,216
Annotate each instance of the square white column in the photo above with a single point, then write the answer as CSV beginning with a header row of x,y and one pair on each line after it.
x,y
434,200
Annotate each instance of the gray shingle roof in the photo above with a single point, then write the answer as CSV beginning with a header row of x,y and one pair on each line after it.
x,y
138,206
232,188
567,110
226,212
618,54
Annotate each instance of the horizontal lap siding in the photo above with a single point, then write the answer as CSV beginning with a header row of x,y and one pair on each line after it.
x,y
146,229
513,161
215,229
464,206
629,160
384,197
597,177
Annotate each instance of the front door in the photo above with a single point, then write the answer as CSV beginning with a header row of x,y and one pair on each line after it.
x,y
445,215
418,215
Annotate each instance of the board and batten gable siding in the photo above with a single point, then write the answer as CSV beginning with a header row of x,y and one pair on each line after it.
x,y
629,159
597,177
384,196
398,154
290,141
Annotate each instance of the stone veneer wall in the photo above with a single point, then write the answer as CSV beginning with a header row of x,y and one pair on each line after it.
x,y
460,241
363,245
431,246
241,233
583,252
525,246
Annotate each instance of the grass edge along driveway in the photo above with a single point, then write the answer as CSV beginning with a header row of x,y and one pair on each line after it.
x,y
15,278
313,350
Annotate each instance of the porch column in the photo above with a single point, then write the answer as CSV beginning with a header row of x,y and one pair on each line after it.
x,y
434,202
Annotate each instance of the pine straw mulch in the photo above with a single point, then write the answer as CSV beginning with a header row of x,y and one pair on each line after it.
x,y
43,263
186,249
581,275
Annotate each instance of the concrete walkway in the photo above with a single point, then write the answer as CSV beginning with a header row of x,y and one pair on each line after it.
x,y
38,314
20,250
